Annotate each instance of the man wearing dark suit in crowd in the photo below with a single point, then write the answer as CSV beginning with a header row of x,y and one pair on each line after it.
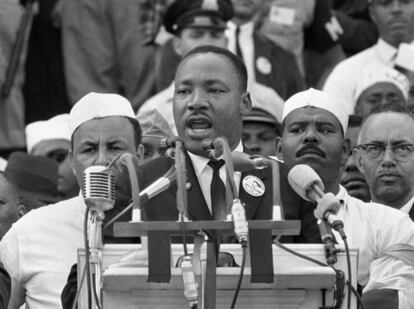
x,y
209,101
389,173
266,63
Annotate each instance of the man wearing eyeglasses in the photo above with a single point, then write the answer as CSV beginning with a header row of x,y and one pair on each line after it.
x,y
386,156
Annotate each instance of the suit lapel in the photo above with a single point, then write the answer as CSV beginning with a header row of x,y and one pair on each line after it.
x,y
252,202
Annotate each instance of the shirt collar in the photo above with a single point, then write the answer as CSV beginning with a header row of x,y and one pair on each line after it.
x,y
200,163
407,207
386,51
245,29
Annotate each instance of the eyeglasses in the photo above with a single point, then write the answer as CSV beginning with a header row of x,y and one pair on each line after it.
x,y
374,151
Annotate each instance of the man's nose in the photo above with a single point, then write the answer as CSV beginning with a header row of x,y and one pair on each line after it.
x,y
199,100
310,135
102,157
388,158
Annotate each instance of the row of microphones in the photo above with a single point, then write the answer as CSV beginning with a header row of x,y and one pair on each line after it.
x,y
218,148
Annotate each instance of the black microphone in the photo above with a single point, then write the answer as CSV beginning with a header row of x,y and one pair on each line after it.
x,y
307,183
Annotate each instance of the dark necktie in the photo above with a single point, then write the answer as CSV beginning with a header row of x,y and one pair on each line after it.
x,y
217,192
237,38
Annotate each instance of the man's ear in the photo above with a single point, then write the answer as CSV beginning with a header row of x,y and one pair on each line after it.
x,y
278,148
140,153
346,148
21,210
245,104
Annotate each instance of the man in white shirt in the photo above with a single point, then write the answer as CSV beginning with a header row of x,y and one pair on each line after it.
x,y
386,157
395,22
313,133
39,249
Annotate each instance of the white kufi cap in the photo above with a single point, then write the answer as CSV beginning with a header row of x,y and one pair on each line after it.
x,y
382,74
320,99
99,105
53,128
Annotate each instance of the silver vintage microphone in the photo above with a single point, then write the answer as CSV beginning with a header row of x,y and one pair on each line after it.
x,y
99,190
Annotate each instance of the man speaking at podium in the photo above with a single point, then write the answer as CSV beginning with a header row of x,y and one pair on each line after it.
x,y
313,130
210,100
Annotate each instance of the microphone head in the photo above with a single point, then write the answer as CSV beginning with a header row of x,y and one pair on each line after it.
x,y
301,177
168,142
99,188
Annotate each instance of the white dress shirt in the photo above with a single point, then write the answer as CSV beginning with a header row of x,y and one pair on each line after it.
x,y
344,78
39,250
204,174
373,228
246,45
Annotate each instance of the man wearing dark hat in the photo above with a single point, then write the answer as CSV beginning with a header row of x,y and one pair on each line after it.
x,y
193,23
36,179
314,126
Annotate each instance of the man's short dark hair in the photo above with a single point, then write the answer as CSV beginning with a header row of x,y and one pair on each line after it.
x,y
394,107
235,61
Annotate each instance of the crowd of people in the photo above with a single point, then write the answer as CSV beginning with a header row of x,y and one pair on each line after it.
x,y
325,83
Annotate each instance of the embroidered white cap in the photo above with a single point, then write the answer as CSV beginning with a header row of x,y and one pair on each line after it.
x,y
372,75
54,128
99,105
320,99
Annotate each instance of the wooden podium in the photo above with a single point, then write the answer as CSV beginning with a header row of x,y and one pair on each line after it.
x,y
298,283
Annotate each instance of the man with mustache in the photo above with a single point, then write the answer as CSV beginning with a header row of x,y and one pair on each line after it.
x,y
210,101
386,156
313,125
39,250
395,23
351,178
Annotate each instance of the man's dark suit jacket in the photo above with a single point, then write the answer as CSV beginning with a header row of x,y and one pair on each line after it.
x,y
163,207
5,286
284,76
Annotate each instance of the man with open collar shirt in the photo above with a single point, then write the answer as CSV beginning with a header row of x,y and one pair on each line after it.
x,y
313,125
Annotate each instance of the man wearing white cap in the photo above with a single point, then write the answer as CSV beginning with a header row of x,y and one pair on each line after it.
x,y
51,138
313,133
395,22
380,86
39,250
